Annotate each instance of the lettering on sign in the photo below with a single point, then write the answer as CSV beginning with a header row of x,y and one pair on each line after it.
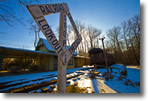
x,y
64,30
53,8
72,22
64,36
47,9
75,45
50,36
39,11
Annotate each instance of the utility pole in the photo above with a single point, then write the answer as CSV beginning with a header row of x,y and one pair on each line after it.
x,y
102,39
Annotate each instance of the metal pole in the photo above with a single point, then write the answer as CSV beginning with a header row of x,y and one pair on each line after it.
x,y
61,81
102,39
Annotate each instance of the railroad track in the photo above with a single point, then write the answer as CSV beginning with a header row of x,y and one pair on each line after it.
x,y
40,83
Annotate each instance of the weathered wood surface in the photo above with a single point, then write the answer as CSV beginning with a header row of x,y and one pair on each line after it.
x,y
61,81
38,12
47,9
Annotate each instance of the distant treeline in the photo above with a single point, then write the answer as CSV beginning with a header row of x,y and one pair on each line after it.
x,y
124,42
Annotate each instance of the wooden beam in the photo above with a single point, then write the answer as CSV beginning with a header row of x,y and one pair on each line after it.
x,y
61,81
30,63
46,9
1,61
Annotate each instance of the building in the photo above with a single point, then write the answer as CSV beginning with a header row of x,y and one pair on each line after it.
x,y
43,58
98,58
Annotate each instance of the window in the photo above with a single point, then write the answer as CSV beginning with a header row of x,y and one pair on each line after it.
x,y
70,61
55,62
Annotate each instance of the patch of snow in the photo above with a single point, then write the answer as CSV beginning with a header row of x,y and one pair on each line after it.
x,y
120,66
34,76
133,75
95,86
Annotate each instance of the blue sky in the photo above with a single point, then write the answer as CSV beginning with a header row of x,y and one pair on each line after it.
x,y
103,14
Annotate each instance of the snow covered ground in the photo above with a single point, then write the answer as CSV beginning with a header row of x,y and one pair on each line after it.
x,y
34,78
128,84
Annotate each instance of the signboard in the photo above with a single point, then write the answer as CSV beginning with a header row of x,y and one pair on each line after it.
x,y
50,36
46,9
61,81
39,11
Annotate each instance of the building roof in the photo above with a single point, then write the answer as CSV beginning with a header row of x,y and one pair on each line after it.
x,y
49,48
94,50
47,45
18,51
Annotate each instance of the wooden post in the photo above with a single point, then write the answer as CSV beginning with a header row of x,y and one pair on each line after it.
x,y
1,61
102,39
48,63
61,81
30,63
38,12
25,64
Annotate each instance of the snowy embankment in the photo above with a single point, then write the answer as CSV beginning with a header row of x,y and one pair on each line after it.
x,y
33,76
13,82
128,84
116,84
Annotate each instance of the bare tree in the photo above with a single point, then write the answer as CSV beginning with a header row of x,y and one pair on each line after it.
x,y
93,33
7,14
69,33
117,32
132,41
125,32
114,35
90,36
135,26
36,31
113,42
81,28
125,45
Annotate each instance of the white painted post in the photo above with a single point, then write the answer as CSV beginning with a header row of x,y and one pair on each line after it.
x,y
38,12
61,81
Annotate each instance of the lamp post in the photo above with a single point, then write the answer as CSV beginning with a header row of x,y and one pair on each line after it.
x,y
102,39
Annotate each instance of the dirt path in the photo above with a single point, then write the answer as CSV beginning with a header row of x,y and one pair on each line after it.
x,y
103,88
136,67
100,87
